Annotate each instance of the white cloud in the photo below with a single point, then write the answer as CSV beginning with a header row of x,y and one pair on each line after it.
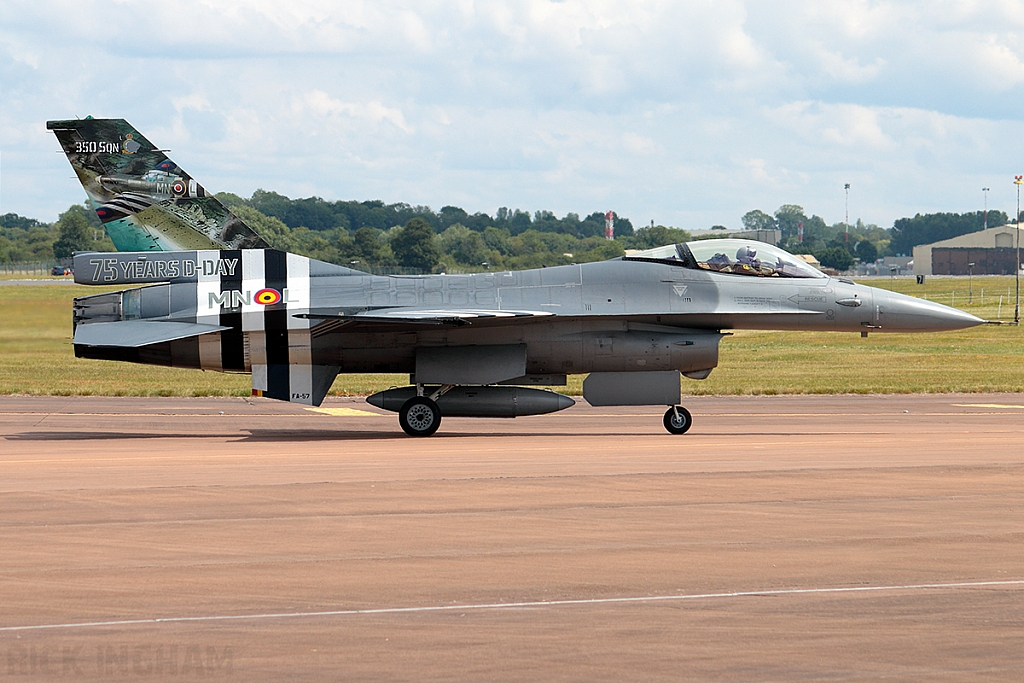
x,y
639,144
194,101
323,105
688,113
849,70
998,63
843,125
20,53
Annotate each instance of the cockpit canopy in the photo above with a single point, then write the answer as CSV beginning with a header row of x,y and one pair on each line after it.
x,y
738,257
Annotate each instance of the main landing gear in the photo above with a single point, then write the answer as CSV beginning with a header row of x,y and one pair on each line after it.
x,y
677,420
419,416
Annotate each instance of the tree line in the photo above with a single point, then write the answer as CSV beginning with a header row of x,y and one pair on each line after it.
x,y
450,239
379,237
27,240
320,215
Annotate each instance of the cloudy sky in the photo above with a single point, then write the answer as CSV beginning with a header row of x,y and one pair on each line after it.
x,y
686,113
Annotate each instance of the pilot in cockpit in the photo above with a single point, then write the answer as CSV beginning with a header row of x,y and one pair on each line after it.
x,y
745,256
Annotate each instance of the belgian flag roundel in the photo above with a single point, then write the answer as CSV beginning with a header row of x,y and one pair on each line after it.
x,y
267,296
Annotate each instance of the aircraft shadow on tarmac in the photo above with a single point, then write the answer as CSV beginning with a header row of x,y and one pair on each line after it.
x,y
107,436
294,435
256,436
302,436
253,436
270,435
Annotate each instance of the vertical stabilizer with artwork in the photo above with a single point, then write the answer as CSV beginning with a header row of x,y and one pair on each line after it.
x,y
145,201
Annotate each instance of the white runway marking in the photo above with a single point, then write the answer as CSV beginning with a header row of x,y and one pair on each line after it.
x,y
987,405
518,605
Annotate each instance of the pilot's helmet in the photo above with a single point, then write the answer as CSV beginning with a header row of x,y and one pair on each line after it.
x,y
745,254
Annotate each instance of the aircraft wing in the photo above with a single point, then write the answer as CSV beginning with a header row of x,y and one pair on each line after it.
x,y
418,316
135,333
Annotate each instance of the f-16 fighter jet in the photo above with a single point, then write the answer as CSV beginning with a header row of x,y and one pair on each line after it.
x,y
209,293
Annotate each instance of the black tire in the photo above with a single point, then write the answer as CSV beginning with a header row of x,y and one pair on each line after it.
x,y
419,416
678,424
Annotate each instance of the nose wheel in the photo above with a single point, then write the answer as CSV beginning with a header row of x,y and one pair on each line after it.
x,y
677,420
419,416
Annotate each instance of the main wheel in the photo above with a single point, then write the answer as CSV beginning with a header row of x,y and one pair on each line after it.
x,y
419,416
678,420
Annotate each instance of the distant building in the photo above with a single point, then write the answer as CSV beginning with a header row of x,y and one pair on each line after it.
x,y
992,251
809,259
900,263
772,237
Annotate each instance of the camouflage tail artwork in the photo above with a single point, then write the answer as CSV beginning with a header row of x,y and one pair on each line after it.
x,y
220,299
145,201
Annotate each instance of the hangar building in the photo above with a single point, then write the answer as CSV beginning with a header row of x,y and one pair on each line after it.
x,y
992,251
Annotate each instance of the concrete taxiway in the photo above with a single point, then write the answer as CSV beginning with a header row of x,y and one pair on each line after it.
x,y
783,538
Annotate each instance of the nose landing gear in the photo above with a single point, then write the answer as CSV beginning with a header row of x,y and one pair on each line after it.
x,y
677,420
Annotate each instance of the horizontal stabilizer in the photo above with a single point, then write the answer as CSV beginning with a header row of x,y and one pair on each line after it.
x,y
135,333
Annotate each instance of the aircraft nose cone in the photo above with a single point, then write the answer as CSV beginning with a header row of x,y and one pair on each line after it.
x,y
901,313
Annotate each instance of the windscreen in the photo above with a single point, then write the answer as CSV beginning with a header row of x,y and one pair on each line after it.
x,y
671,252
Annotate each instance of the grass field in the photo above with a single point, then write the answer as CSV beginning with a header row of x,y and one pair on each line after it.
x,y
36,355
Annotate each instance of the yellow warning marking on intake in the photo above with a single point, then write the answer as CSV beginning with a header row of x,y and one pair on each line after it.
x,y
987,405
344,412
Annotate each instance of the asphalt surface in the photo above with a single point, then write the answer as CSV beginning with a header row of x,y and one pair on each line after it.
x,y
784,538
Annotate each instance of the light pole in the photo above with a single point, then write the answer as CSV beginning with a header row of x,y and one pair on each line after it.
x,y
1018,181
970,283
985,223
847,188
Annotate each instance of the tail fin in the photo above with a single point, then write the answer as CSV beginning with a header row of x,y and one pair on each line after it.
x,y
145,201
